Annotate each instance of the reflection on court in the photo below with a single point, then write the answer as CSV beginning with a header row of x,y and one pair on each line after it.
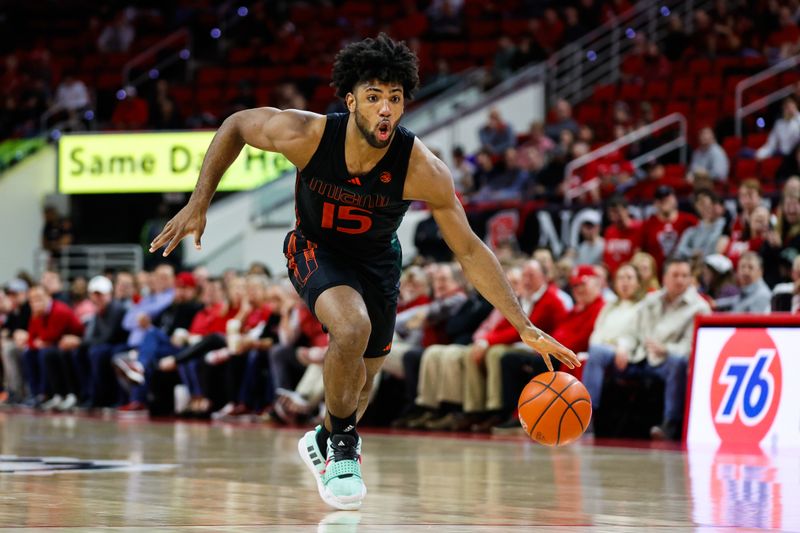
x,y
248,478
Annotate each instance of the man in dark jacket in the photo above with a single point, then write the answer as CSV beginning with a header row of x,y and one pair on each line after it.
x,y
170,330
459,328
104,337
14,339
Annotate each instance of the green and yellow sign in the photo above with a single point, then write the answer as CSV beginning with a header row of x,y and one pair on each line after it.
x,y
153,162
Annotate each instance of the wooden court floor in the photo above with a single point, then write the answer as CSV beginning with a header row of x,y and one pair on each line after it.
x,y
77,473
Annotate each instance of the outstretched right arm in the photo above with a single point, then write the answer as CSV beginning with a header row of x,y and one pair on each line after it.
x,y
292,133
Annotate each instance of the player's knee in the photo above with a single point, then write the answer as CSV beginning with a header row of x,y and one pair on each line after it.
x,y
352,336
366,390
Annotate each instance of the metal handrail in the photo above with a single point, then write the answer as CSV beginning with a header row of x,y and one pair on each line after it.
x,y
52,111
169,40
558,79
452,83
90,260
743,111
680,142
270,196
126,70
448,100
596,57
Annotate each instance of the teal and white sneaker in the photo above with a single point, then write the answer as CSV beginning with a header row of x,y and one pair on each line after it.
x,y
339,478
310,453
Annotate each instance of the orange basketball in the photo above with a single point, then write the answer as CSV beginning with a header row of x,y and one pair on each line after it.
x,y
554,408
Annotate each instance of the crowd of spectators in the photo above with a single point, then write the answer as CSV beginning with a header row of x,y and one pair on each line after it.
x,y
244,345
764,32
531,165
124,340
37,82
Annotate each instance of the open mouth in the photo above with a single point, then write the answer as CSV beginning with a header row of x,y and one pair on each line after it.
x,y
384,129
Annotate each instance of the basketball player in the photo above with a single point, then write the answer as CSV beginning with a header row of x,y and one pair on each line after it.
x,y
357,173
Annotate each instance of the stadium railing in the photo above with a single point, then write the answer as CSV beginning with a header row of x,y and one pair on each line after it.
x,y
89,260
273,203
742,111
464,91
573,71
678,143
149,62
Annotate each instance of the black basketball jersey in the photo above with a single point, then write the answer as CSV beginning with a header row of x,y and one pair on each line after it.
x,y
354,215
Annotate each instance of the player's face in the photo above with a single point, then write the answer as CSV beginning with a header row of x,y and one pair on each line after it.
x,y
378,108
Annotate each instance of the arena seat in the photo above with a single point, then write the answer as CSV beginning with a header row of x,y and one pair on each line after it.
x,y
768,167
710,86
630,92
483,29
241,55
109,80
211,75
744,169
590,113
683,88
451,49
656,90
239,74
732,145
756,140
700,66
604,93
677,107
482,50
788,78
514,28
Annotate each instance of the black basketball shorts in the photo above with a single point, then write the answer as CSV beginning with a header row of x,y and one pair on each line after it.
x,y
314,269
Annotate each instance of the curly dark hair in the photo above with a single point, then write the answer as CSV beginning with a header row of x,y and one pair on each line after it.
x,y
375,59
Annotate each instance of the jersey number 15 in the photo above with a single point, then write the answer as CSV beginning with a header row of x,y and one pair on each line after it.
x,y
348,214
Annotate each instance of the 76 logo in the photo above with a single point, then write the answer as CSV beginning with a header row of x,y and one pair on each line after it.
x,y
750,388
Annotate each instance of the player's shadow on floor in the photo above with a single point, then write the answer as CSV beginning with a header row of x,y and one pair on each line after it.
x,y
630,408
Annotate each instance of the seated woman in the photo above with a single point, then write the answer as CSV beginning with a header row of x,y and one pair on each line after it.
x,y
206,333
249,336
605,347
